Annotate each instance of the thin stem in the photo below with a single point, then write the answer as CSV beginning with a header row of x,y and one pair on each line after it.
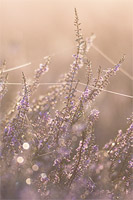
x,y
46,153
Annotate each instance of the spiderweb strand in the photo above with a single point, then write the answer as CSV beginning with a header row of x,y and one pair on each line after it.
x,y
29,63
111,61
109,91
18,67
54,54
59,52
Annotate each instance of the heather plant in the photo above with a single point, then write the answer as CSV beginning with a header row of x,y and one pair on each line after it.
x,y
3,80
49,144
120,155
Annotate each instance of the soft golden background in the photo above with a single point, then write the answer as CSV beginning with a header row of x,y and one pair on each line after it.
x,y
32,29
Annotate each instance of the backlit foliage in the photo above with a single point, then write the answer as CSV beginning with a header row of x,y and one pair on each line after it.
x,y
52,148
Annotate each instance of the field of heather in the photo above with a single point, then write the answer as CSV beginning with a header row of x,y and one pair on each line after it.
x,y
66,99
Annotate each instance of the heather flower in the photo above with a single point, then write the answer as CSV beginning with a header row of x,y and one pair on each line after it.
x,y
43,68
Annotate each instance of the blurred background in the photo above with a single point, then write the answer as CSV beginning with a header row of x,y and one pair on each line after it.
x,y
32,29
